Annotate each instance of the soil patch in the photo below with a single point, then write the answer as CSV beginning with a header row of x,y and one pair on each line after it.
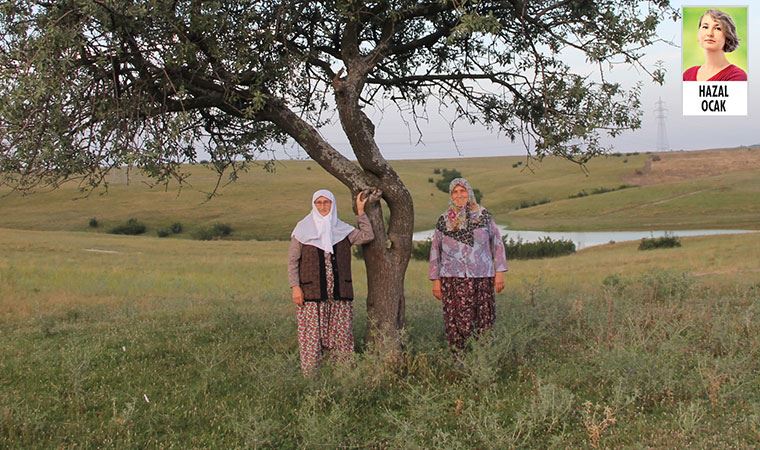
x,y
678,166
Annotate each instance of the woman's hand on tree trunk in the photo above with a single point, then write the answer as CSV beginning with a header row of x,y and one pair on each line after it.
x,y
367,196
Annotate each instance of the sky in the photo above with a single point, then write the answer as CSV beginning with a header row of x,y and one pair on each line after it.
x,y
398,140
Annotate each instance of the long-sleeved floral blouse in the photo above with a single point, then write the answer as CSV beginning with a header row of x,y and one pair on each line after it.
x,y
476,252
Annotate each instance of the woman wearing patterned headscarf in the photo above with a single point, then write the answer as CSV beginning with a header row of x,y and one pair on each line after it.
x,y
319,272
467,263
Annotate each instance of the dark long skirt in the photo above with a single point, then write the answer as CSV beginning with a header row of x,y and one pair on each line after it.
x,y
468,308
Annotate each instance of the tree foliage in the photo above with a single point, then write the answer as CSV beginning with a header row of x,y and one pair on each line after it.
x,y
87,85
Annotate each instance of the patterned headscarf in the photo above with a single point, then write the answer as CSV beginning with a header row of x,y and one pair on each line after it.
x,y
459,222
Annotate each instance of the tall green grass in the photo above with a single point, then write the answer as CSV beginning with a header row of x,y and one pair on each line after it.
x,y
188,344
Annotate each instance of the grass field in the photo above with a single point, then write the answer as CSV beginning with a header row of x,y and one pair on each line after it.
x,y
123,342
676,192
132,342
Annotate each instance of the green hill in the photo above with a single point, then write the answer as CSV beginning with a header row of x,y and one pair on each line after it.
x,y
263,205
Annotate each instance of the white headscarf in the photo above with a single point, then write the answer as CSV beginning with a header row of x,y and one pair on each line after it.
x,y
322,231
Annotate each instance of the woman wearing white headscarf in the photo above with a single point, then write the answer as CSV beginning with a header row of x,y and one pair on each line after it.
x,y
319,272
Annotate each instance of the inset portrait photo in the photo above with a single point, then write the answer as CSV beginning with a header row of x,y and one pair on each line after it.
x,y
714,58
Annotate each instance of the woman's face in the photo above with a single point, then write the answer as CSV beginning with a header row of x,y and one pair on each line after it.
x,y
710,35
323,205
459,195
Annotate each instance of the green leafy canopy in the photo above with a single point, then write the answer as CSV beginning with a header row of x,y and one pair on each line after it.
x,y
86,86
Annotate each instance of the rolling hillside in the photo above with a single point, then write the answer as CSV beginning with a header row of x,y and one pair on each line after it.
x,y
678,190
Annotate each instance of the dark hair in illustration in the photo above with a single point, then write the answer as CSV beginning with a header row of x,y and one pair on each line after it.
x,y
729,28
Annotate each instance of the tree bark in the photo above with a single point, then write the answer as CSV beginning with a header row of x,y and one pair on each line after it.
x,y
387,257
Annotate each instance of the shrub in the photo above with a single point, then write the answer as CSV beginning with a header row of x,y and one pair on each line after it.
x,y
215,231
176,228
93,222
132,227
656,157
431,180
203,234
667,241
478,195
545,247
421,250
436,171
528,204
446,177
221,229
163,232
599,190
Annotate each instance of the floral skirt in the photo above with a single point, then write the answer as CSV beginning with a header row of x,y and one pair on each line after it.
x,y
468,308
324,326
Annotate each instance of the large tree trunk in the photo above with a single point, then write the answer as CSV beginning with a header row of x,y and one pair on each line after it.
x,y
386,259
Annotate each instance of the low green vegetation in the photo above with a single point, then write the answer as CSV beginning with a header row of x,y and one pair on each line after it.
x,y
165,343
446,177
667,241
174,228
531,203
599,190
544,247
215,231
131,227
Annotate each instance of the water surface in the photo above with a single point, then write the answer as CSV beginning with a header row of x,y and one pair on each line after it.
x,y
584,239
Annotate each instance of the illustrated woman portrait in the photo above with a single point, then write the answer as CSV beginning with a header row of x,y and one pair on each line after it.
x,y
716,36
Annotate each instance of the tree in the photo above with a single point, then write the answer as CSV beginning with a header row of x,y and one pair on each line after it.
x,y
89,85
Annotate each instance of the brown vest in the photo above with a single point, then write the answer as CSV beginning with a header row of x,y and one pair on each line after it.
x,y
313,276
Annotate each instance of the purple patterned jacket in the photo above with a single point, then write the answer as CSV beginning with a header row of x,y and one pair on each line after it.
x,y
450,257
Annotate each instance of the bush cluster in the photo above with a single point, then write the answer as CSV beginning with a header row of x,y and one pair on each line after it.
x,y
545,247
420,250
132,227
530,203
599,190
446,177
175,228
667,241
93,222
215,231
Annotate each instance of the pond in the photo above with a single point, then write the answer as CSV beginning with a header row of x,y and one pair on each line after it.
x,y
584,239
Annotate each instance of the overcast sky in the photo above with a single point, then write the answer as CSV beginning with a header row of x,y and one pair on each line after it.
x,y
399,141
